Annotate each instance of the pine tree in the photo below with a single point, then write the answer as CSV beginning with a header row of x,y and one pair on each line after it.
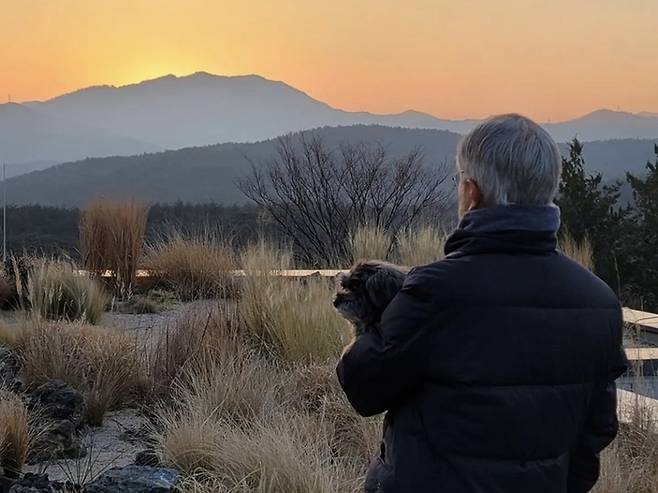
x,y
590,211
643,245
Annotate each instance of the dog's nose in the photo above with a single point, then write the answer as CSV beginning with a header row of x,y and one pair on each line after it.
x,y
336,301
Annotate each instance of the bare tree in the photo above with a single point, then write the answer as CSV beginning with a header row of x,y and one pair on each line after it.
x,y
318,196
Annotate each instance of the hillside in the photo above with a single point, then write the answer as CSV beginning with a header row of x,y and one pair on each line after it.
x,y
202,174
203,109
36,139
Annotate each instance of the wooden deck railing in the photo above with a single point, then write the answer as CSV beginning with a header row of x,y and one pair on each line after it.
x,y
647,323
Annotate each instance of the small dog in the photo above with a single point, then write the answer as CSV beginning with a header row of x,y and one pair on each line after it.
x,y
363,294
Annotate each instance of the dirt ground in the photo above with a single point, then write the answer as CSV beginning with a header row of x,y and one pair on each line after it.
x,y
114,444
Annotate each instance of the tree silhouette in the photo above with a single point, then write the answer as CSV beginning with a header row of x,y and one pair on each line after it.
x,y
318,196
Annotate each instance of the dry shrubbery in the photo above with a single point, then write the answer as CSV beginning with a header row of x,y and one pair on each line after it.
x,y
194,335
264,415
245,423
6,288
15,433
56,289
630,464
420,246
193,268
247,396
254,404
101,363
580,252
292,317
411,246
370,242
112,238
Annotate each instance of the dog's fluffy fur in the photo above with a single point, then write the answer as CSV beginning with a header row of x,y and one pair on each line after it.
x,y
363,294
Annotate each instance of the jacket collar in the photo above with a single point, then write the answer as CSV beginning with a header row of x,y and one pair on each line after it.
x,y
509,228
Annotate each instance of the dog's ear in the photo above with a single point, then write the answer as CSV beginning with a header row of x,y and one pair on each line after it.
x,y
383,285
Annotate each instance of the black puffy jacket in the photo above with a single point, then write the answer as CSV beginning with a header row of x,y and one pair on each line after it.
x,y
497,368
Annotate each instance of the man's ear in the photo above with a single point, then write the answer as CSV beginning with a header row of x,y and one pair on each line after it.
x,y
474,194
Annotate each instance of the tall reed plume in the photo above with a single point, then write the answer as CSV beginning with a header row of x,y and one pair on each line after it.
x,y
112,238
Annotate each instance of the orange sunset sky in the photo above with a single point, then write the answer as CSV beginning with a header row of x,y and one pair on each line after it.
x,y
552,59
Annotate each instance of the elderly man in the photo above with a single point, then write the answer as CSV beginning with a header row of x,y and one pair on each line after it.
x,y
496,365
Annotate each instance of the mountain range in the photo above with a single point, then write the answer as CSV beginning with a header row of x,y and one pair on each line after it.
x,y
208,173
204,109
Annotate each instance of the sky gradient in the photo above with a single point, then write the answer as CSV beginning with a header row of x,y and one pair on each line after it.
x,y
551,60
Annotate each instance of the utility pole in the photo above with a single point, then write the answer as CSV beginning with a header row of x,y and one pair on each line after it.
x,y
4,214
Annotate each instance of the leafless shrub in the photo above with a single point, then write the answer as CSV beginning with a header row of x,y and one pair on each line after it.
x,y
317,196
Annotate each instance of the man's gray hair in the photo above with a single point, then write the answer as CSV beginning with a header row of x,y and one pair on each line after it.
x,y
512,159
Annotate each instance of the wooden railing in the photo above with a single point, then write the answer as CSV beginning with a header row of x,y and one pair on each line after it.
x,y
646,323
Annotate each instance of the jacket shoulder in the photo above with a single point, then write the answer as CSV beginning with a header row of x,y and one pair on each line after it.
x,y
552,281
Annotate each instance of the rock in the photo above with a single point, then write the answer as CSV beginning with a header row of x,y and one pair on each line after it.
x,y
147,457
37,483
6,484
58,400
61,409
135,479
32,483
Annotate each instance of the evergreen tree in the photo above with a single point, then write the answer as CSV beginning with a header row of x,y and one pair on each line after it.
x,y
590,210
643,244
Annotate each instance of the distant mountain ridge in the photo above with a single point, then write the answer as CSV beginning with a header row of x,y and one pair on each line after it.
x,y
208,173
173,112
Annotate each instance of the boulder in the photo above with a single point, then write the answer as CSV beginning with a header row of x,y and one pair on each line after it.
x,y
148,457
58,400
135,479
61,409
36,483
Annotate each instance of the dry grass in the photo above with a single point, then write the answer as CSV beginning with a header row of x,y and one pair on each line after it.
x,y
251,401
420,246
15,433
316,389
630,464
235,429
57,290
194,268
580,252
101,363
279,454
112,237
193,336
242,418
6,288
258,261
370,242
12,334
291,317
